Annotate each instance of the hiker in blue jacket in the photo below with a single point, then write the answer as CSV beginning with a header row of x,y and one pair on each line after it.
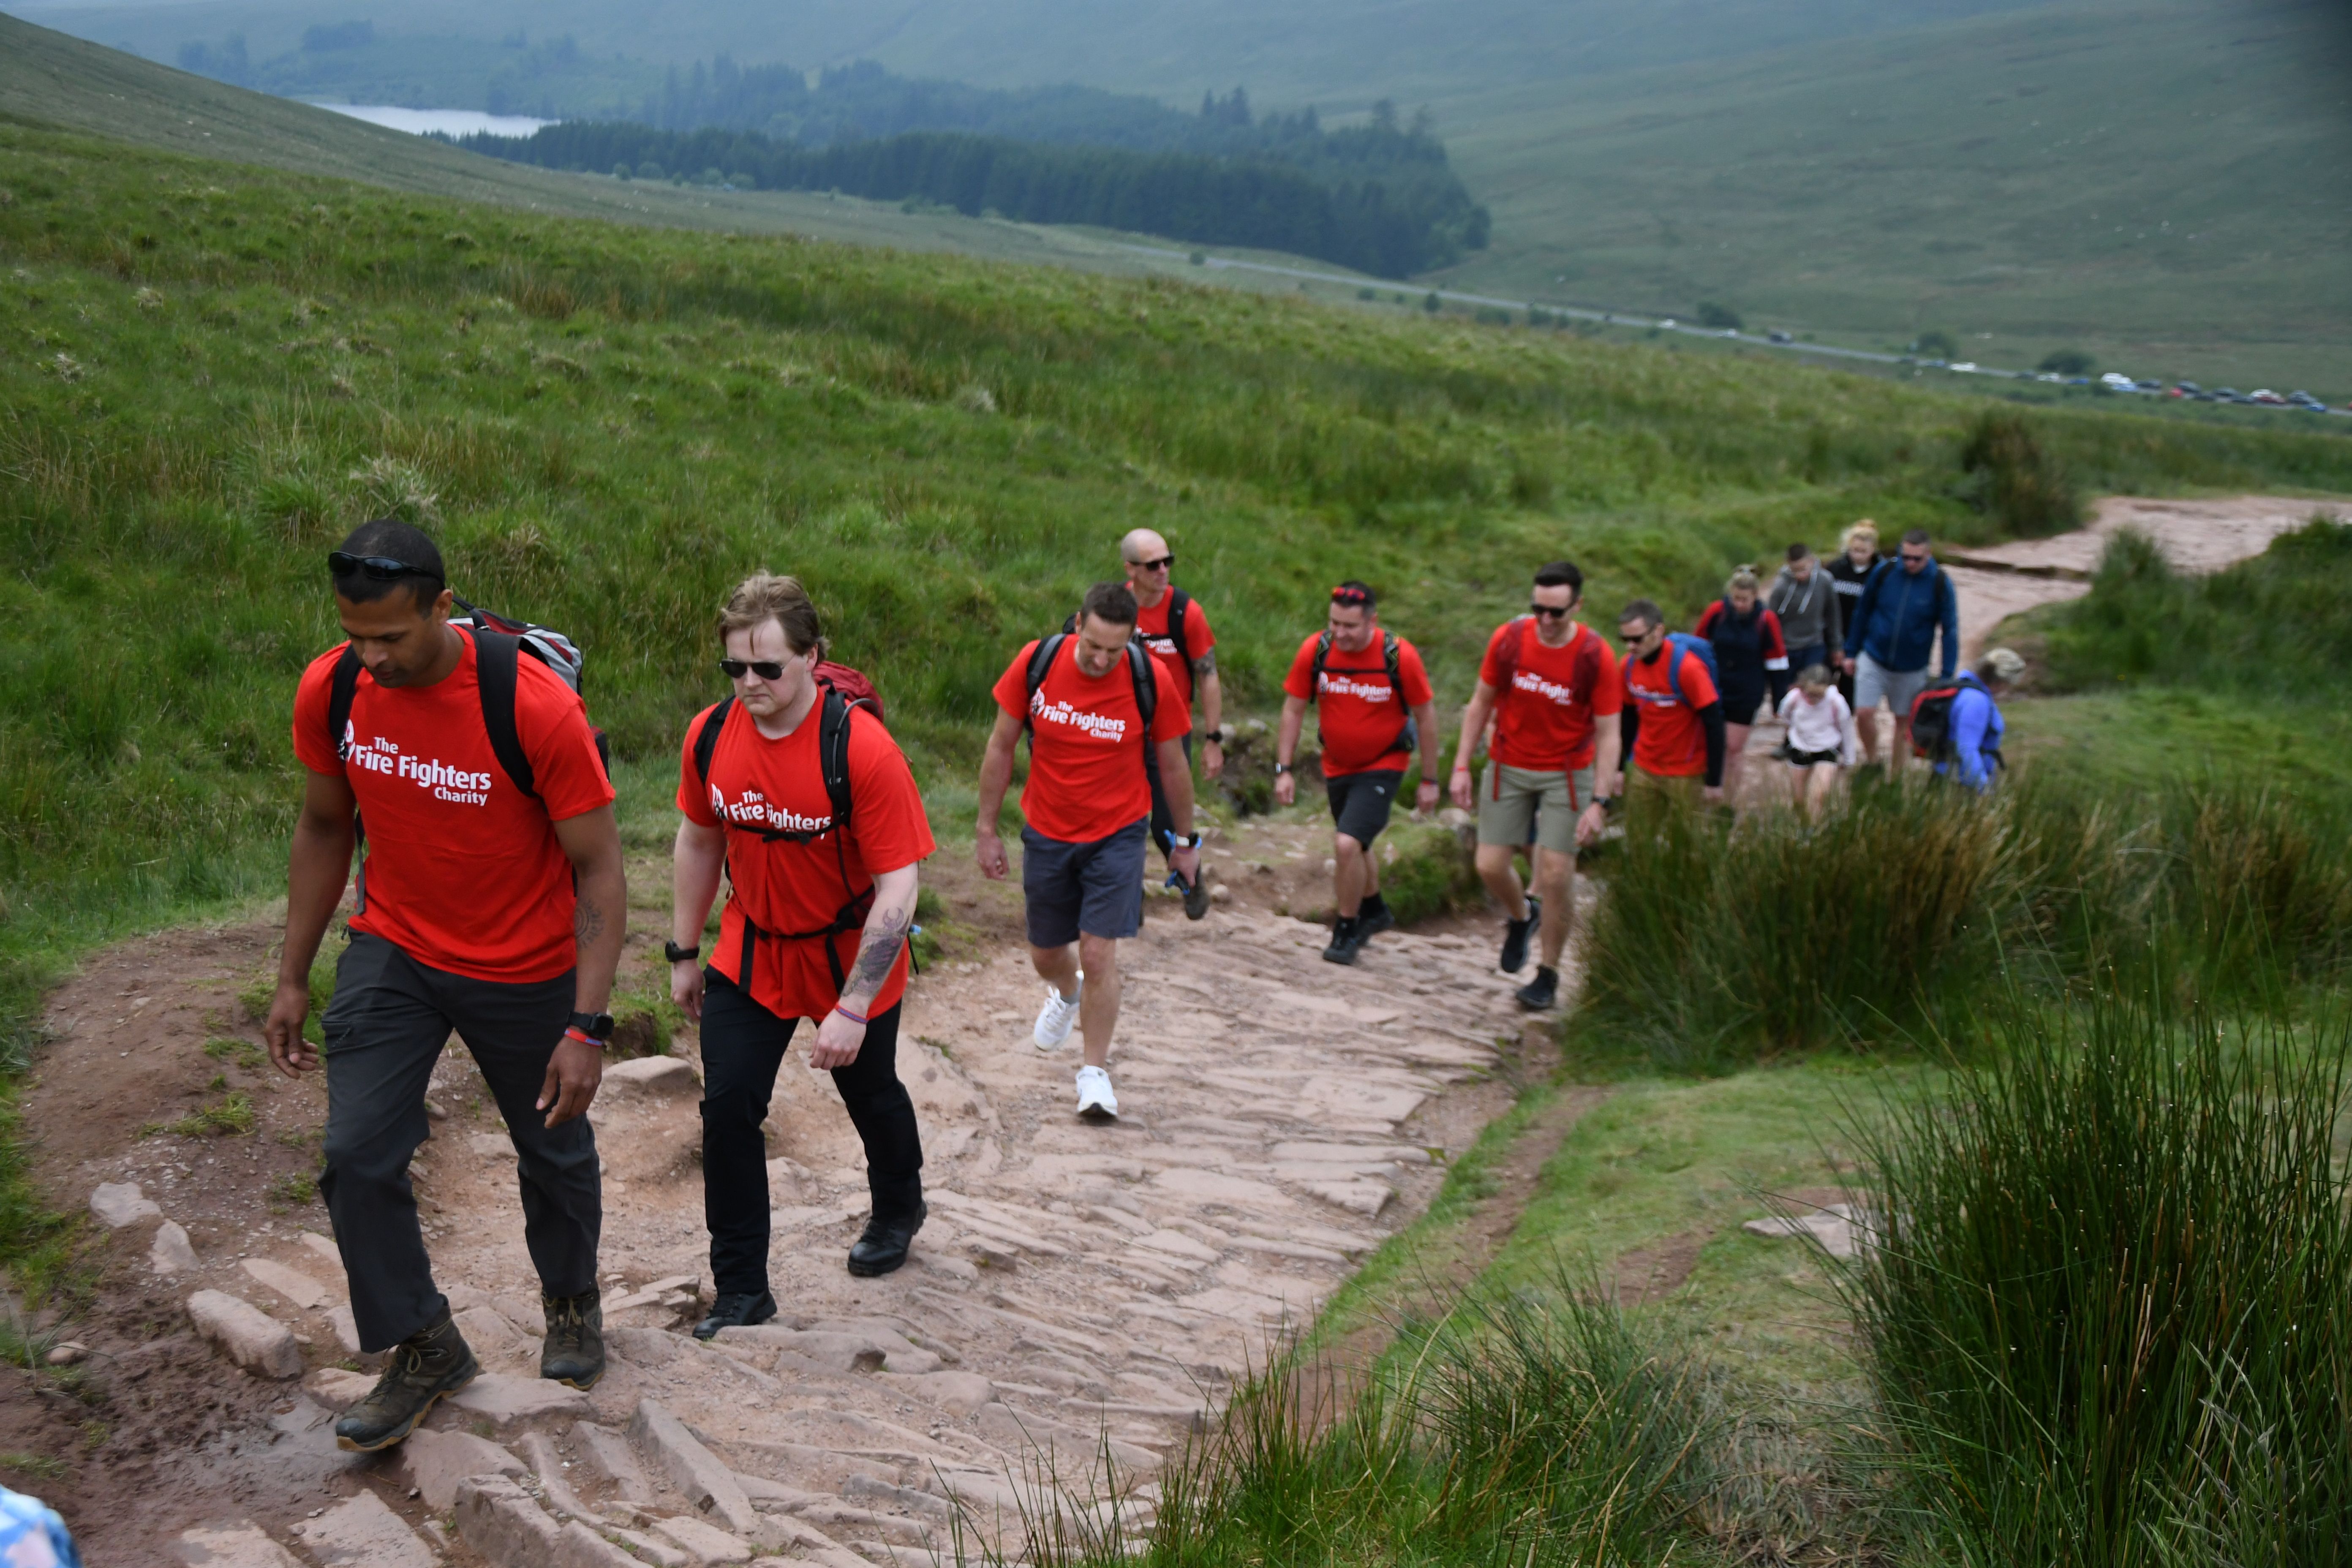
x,y
1977,729
1890,635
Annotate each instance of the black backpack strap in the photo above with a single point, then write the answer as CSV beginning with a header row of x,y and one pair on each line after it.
x,y
833,755
706,740
1393,656
1179,601
342,687
1322,658
497,668
1041,664
1143,671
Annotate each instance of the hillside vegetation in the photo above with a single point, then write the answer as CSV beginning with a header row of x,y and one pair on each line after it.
x,y
214,371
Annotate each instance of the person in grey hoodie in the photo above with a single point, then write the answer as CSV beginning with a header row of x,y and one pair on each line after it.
x,y
1806,602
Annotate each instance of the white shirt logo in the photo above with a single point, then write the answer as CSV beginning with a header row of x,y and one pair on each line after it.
x,y
460,787
1101,726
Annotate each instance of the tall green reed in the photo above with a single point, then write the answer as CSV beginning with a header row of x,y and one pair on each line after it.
x,y
2106,1318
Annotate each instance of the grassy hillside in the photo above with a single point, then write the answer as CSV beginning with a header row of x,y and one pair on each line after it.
x,y
217,370
2169,186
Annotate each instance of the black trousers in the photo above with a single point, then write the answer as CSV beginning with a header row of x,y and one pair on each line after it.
x,y
385,1027
1163,822
743,1047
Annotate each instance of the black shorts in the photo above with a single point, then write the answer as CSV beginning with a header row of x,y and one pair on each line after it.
x,y
1814,759
1360,803
1095,888
1743,693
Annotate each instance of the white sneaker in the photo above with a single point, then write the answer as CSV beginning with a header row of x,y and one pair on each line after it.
x,y
1054,1019
1096,1101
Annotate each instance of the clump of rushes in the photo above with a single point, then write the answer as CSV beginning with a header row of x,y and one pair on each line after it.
x,y
2106,1324
1544,1426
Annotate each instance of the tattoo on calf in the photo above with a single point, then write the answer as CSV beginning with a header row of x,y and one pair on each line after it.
x,y
880,952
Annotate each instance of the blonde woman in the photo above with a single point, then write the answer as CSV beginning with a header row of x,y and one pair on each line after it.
x,y
1822,740
1749,659
1857,556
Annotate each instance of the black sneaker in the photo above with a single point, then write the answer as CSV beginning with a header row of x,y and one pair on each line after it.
x,y
1538,994
736,1310
425,1367
883,1246
573,1351
1374,917
1196,896
1514,937
1346,941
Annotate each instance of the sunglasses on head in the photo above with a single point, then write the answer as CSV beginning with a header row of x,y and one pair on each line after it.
x,y
1551,612
1354,597
765,668
1165,563
382,568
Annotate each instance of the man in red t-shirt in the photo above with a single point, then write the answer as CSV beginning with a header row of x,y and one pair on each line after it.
x,y
1372,706
466,918
1550,683
1673,716
818,913
1084,811
1175,627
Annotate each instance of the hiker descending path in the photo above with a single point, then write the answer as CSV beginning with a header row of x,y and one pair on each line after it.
x,y
1080,1288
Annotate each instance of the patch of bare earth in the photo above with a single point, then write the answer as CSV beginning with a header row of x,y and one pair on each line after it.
x,y
1079,1290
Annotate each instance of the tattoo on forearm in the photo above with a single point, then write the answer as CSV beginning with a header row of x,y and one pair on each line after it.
x,y
1206,665
587,922
879,952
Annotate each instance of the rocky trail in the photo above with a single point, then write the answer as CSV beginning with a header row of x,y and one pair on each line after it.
x,y
1080,1291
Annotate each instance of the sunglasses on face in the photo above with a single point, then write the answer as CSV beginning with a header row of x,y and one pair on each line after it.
x,y
381,568
1911,560
765,668
1633,640
1551,612
1165,563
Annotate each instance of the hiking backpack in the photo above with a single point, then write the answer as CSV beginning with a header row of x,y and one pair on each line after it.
x,y
840,688
1139,672
1690,643
1393,661
1931,723
499,644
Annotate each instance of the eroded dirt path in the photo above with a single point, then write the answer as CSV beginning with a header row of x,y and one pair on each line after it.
x,y
1076,1287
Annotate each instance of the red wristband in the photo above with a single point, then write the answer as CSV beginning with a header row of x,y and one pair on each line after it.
x,y
584,1039
853,1018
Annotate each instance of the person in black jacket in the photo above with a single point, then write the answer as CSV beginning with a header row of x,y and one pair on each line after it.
x,y
1857,558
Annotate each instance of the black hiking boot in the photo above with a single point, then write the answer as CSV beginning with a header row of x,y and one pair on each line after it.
x,y
1196,892
1346,941
1538,994
1514,937
883,1246
425,1367
574,1352
736,1310
1374,917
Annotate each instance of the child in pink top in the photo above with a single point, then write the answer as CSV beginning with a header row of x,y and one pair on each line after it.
x,y
1822,740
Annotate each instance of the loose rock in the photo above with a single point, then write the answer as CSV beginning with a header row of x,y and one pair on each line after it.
x,y
504,1399
362,1533
118,1204
71,1353
435,1462
240,1545
169,1253
291,1283
694,1469
249,1336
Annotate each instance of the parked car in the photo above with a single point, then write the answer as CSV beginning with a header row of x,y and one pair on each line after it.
x,y
2150,386
2227,394
2266,397
2115,381
1777,336
2187,389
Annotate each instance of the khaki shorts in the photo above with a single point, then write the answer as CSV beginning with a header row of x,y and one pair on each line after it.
x,y
1511,799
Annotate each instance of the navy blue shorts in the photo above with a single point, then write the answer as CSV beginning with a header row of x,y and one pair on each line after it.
x,y
1096,888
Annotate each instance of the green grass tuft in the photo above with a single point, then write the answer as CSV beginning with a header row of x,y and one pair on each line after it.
x,y
232,1117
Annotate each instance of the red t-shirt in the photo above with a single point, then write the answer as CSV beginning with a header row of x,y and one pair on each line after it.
x,y
1672,743
1086,744
1356,713
1152,624
1544,712
464,872
781,886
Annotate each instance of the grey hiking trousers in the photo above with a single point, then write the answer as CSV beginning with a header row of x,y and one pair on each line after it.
x,y
384,1030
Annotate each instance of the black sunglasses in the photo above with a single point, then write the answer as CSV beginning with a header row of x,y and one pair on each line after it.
x,y
1552,612
765,668
382,568
1165,563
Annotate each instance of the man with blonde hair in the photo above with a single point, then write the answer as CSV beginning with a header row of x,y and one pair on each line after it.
x,y
793,788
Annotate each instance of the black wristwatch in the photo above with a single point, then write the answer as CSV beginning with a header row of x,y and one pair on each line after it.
x,y
1282,767
597,1026
1215,737
677,955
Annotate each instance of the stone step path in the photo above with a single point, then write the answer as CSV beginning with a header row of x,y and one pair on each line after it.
x,y
1082,1296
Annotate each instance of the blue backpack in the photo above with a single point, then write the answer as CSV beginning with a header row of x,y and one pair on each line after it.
x,y
1692,643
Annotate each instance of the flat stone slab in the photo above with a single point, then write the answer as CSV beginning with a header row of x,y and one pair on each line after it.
x,y
703,1542
291,1283
118,1204
362,1533
435,1462
337,1387
606,1455
503,1399
501,1521
248,1335
651,1078
241,1545
170,1252
1841,1230
694,1469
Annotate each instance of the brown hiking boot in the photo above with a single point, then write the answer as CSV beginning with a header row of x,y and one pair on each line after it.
x,y
426,1366
573,1351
